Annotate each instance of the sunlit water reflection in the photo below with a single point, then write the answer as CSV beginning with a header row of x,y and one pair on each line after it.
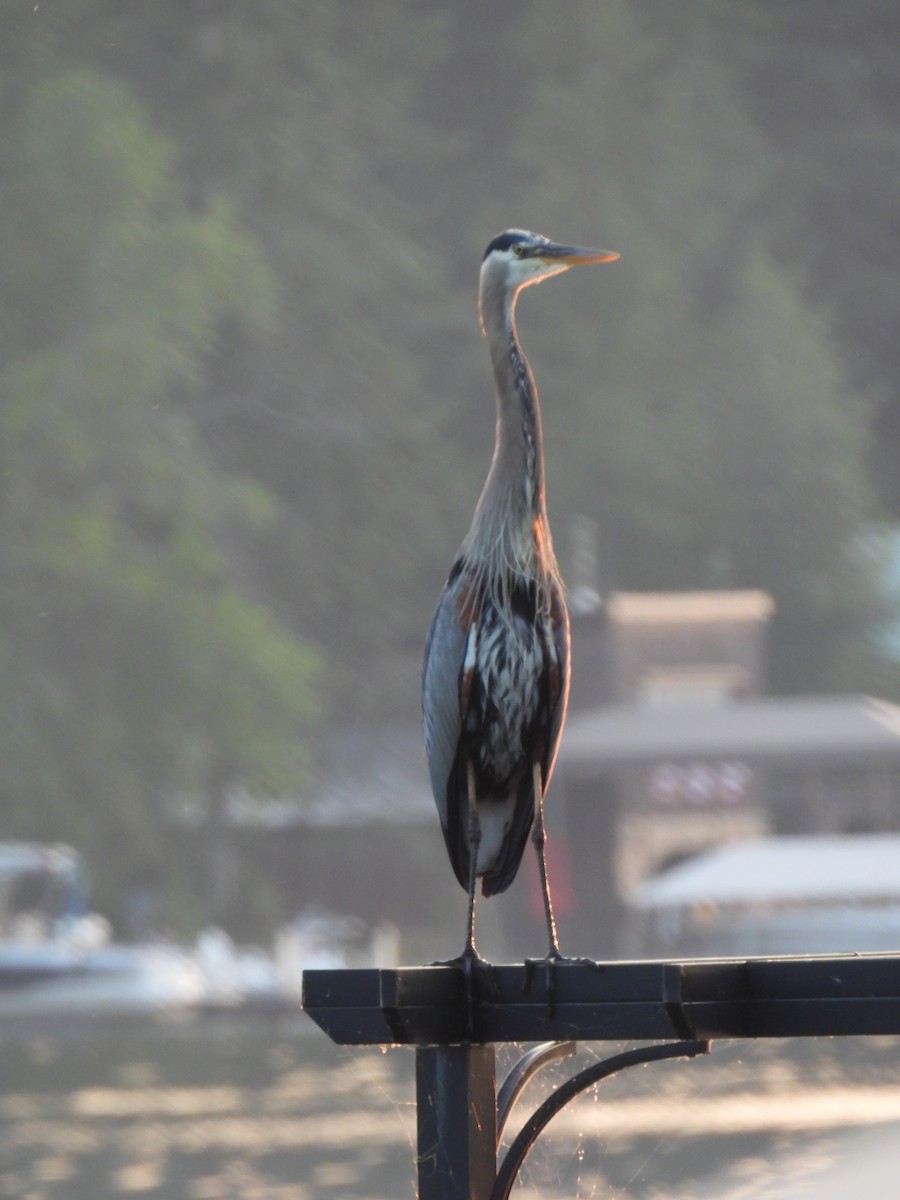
x,y
267,1108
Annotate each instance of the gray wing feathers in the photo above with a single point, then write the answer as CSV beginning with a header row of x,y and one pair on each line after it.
x,y
444,653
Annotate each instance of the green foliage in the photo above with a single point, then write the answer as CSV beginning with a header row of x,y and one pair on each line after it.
x,y
822,84
136,652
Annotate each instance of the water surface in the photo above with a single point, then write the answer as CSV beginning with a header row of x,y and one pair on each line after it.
x,y
263,1108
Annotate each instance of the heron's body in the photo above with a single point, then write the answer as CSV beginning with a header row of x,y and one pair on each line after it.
x,y
504,671
496,674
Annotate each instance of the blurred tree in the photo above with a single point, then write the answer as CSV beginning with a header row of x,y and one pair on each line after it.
x,y
821,82
308,118
133,654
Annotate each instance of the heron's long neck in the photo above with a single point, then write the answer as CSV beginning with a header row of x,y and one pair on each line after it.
x,y
518,464
510,522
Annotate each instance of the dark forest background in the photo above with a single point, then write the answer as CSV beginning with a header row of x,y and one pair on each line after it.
x,y
245,410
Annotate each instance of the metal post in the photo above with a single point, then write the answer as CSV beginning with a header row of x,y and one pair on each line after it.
x,y
457,1115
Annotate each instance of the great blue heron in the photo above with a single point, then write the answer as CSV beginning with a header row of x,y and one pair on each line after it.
x,y
495,680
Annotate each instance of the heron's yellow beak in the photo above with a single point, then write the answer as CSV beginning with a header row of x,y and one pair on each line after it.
x,y
573,256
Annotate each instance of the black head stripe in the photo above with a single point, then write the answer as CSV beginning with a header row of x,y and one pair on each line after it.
x,y
503,241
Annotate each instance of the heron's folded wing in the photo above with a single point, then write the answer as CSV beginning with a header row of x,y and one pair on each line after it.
x,y
444,654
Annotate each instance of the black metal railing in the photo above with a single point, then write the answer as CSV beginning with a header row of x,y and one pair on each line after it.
x,y
679,1006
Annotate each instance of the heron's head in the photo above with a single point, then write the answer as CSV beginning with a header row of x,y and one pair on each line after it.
x,y
516,258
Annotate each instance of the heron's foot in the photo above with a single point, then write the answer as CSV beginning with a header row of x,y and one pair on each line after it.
x,y
463,962
551,960
548,963
466,963
580,960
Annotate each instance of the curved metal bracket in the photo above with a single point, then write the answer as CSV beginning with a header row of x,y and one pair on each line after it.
x,y
538,1121
525,1070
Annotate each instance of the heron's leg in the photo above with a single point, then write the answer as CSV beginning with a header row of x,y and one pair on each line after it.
x,y
473,837
539,838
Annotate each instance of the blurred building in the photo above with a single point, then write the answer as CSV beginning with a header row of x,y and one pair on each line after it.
x,y
672,747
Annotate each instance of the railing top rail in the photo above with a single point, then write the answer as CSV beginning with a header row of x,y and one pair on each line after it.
x,y
585,1001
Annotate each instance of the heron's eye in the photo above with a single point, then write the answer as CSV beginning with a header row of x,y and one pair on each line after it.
x,y
519,250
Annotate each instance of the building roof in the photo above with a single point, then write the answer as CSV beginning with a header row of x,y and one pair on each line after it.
x,y
834,729
781,870
688,608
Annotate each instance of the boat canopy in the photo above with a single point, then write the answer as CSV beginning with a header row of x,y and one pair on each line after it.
x,y
824,870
